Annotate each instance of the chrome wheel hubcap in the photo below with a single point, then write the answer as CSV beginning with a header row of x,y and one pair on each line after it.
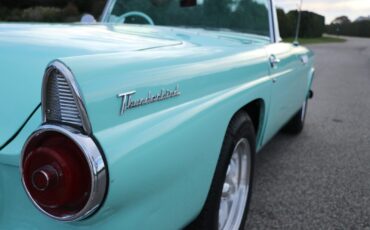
x,y
236,187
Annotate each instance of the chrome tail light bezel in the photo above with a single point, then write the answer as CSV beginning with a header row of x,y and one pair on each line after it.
x,y
82,137
97,167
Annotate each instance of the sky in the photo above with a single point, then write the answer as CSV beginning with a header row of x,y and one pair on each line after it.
x,y
330,8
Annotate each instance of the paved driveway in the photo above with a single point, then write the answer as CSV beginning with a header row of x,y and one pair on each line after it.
x,y
321,179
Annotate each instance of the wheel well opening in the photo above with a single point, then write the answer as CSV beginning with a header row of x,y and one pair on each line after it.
x,y
254,110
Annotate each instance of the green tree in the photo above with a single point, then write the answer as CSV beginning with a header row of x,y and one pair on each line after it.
x,y
286,26
312,24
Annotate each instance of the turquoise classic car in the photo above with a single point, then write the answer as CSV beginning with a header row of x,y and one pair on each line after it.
x,y
149,119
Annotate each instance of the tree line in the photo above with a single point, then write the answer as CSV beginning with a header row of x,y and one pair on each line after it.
x,y
312,24
343,26
48,10
83,5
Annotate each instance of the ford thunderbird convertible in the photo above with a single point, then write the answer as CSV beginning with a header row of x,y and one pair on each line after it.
x,y
149,119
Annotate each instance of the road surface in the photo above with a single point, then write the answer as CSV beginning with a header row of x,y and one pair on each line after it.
x,y
321,179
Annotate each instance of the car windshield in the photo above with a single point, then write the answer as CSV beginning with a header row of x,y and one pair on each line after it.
x,y
248,16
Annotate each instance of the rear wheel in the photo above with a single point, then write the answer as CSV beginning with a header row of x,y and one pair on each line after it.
x,y
296,124
235,189
228,199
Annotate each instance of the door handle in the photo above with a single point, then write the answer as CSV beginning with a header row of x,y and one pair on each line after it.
x,y
274,61
304,59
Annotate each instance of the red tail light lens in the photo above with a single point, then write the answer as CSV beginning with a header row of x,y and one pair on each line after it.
x,y
61,175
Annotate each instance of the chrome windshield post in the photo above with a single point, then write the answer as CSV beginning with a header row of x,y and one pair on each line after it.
x,y
107,11
274,25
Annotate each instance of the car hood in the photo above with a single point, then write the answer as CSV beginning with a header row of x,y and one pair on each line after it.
x,y
26,50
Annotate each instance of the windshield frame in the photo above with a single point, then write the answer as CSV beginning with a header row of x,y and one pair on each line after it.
x,y
273,22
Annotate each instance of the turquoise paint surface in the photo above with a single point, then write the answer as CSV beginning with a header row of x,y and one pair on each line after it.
x,y
26,50
290,87
161,157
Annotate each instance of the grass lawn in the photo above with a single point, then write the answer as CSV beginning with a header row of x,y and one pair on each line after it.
x,y
316,40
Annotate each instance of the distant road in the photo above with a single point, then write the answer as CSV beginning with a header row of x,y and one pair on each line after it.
x,y
321,179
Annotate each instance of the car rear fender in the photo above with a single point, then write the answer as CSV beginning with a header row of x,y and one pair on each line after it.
x,y
161,156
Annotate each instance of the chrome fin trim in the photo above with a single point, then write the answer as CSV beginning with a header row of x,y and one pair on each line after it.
x,y
61,98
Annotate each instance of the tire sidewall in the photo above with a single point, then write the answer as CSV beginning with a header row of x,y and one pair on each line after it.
x,y
240,127
296,123
244,131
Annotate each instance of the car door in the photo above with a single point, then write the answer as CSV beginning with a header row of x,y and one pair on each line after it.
x,y
289,88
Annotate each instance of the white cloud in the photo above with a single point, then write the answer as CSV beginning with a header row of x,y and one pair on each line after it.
x,y
330,8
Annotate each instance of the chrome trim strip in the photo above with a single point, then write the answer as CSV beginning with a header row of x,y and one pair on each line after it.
x,y
271,22
68,75
277,37
97,166
274,25
107,11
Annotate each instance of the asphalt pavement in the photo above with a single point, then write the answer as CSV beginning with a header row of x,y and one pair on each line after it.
x,y
321,178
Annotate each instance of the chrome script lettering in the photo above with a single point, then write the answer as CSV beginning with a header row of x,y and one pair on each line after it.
x,y
129,103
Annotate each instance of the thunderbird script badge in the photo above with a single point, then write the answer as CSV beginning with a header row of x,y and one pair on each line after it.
x,y
128,102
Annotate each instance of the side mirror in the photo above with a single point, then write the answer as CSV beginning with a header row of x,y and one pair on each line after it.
x,y
88,19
